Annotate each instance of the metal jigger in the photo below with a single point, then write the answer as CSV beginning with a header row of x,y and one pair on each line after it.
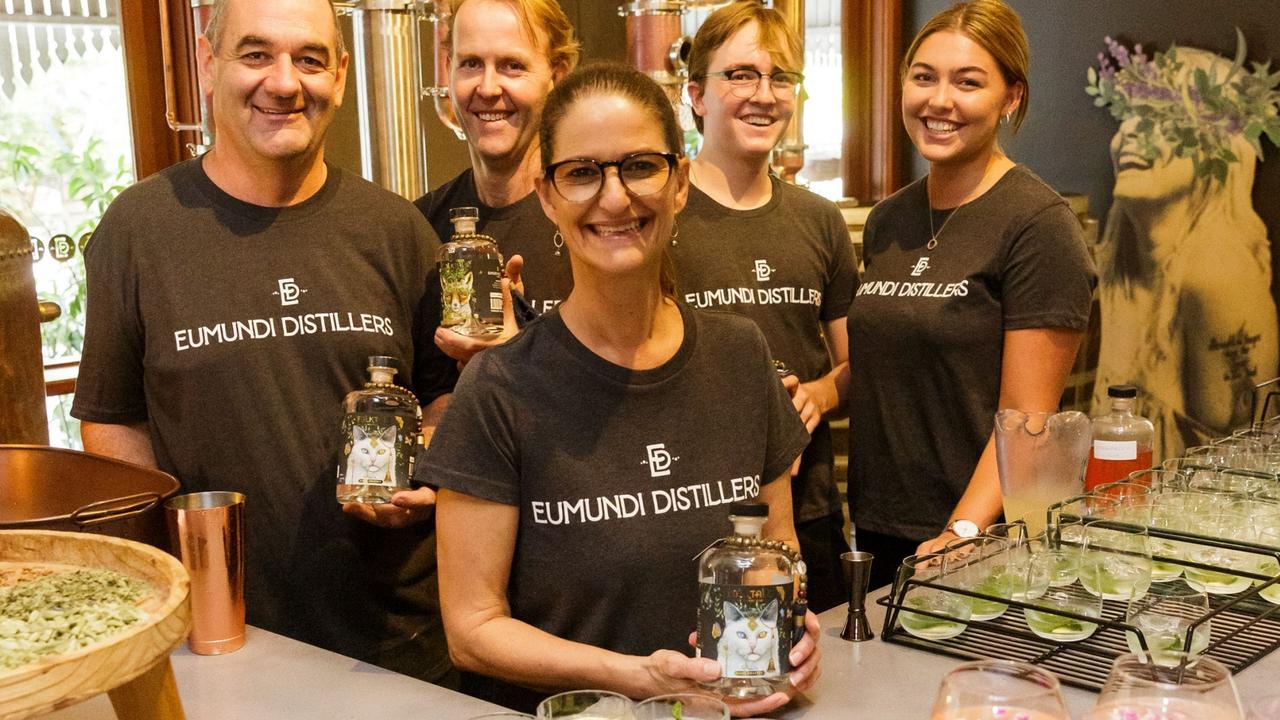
x,y
857,567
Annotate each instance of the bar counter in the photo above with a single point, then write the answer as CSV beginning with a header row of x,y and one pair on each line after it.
x,y
275,678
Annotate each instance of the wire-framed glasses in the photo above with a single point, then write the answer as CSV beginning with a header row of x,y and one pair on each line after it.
x,y
580,179
743,82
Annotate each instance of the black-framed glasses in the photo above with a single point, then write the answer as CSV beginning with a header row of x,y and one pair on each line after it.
x,y
743,82
580,179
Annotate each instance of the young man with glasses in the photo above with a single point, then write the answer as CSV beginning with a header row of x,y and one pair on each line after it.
x,y
750,243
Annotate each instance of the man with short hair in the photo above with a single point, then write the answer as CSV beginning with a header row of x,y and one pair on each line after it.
x,y
233,301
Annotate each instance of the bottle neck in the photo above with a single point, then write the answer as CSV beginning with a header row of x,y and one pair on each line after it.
x,y
1122,406
382,376
752,527
464,227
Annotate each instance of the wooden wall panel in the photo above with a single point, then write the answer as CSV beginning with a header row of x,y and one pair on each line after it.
x,y
873,135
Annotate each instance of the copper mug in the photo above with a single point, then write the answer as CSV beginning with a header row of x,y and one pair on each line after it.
x,y
207,531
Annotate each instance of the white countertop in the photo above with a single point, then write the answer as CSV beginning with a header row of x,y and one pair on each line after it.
x,y
275,678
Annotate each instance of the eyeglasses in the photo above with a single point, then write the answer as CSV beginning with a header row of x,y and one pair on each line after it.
x,y
743,82
580,179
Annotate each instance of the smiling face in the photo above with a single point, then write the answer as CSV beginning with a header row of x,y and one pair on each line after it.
x,y
499,78
614,233
275,80
1140,178
741,126
952,100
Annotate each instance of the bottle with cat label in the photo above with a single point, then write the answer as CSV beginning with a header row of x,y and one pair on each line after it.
x,y
380,428
749,610
1122,441
470,278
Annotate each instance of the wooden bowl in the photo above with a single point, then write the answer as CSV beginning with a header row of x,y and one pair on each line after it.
x,y
63,680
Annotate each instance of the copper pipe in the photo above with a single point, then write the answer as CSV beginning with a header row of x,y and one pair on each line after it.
x,y
22,418
439,12
170,82
789,154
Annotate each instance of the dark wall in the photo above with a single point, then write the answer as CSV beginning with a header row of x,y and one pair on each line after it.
x,y
1065,137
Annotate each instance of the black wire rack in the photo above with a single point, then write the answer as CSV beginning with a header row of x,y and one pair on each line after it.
x,y
1244,627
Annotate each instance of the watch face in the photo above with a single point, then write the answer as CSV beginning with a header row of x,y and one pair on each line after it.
x,y
965,528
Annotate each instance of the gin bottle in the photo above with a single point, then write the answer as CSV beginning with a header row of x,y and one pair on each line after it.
x,y
380,429
749,610
470,278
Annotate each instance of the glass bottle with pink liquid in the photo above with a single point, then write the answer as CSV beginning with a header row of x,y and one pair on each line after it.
x,y
1122,441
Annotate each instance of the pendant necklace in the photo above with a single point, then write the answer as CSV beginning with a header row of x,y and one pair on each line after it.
x,y
933,236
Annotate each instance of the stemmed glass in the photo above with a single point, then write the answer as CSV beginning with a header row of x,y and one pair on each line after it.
x,y
686,706
1164,616
1199,688
991,689
586,705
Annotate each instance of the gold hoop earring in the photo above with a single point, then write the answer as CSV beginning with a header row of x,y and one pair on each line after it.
x,y
558,242
675,233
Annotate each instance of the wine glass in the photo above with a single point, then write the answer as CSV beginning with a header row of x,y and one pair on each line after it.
x,y
1116,560
1199,688
586,705
991,689
930,568
686,706
1165,616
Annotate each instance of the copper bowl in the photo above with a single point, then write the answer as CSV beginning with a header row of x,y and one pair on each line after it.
x,y
49,488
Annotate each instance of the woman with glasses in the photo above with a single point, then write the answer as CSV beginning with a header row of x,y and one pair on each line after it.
x,y
585,463
975,296
774,252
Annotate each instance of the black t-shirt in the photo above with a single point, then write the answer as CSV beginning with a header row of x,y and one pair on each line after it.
x,y
621,476
926,338
789,266
234,331
520,228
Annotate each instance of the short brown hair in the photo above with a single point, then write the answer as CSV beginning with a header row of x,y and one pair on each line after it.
x,y
998,29
608,78
538,15
217,26
776,37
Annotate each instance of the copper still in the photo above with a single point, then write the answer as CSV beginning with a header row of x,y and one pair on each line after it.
x,y
22,418
656,46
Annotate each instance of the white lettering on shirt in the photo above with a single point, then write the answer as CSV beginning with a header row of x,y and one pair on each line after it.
x,y
656,502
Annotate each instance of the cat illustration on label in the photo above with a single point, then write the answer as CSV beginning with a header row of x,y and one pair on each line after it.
x,y
749,645
372,457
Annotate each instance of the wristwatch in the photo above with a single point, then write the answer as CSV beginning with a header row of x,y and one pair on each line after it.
x,y
963,528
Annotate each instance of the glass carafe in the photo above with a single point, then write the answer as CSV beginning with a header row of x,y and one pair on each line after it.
x,y
1041,457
